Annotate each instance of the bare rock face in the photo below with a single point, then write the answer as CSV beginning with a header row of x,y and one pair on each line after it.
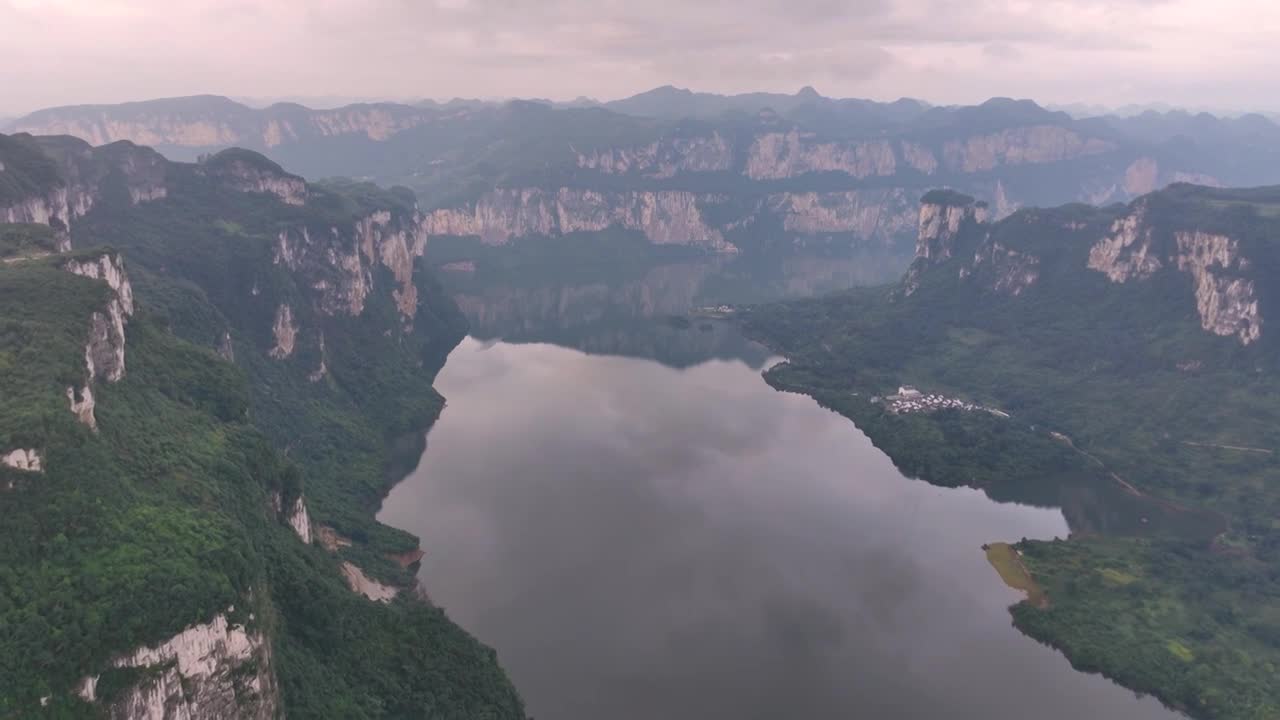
x,y
778,155
284,331
867,214
226,124
82,405
1226,302
295,516
339,265
53,208
142,171
1036,144
258,176
23,459
208,671
665,217
1127,252
104,353
939,224
663,158
300,520
1226,299
360,583
1011,271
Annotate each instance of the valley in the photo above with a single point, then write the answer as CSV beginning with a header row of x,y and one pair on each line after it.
x,y
225,427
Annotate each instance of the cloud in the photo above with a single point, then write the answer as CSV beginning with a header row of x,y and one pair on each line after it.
x,y
68,51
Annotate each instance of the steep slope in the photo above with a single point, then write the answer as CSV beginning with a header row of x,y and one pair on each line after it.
x,y
1130,354
750,172
201,419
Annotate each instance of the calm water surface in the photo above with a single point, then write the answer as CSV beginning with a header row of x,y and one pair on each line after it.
x,y
669,541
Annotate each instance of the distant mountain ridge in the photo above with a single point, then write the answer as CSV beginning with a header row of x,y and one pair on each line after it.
x,y
742,172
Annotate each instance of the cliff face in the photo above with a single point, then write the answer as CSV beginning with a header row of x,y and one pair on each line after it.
x,y
208,671
675,218
503,215
1226,300
55,181
317,294
207,122
536,170
1181,241
104,352
942,217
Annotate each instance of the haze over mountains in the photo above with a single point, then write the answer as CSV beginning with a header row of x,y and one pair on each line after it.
x,y
1103,281
726,173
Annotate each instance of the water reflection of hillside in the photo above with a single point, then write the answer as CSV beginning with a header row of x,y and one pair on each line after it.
x,y
645,312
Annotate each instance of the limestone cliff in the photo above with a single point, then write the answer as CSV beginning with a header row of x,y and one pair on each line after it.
x,y
1168,242
249,172
663,158
867,214
1226,302
1226,299
942,217
340,264
665,217
104,352
784,155
1036,144
212,670
63,178
207,121
23,459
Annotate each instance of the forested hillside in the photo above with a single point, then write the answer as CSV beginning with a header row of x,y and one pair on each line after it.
x,y
206,398
1122,366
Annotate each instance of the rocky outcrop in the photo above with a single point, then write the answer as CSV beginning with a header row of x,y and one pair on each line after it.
x,y
295,516
939,224
1004,269
208,671
783,155
23,459
201,122
360,583
284,331
78,188
1035,144
249,172
663,158
1226,302
1226,299
339,265
104,352
56,208
942,217
83,404
867,214
1127,251
665,217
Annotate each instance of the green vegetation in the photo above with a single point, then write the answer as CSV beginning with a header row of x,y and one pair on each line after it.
x,y
162,518
1123,412
24,239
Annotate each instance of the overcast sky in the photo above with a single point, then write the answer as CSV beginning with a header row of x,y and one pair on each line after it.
x,y
1200,53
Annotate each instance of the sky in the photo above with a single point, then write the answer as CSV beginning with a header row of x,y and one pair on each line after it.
x,y
1196,53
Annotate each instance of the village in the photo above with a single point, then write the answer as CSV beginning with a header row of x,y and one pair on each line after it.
x,y
910,400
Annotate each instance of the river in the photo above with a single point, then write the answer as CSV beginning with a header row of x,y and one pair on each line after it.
x,y
642,528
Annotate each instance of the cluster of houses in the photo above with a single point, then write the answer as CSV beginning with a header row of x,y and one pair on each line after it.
x,y
910,400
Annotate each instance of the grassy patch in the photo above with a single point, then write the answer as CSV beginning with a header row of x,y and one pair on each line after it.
x,y
1006,560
